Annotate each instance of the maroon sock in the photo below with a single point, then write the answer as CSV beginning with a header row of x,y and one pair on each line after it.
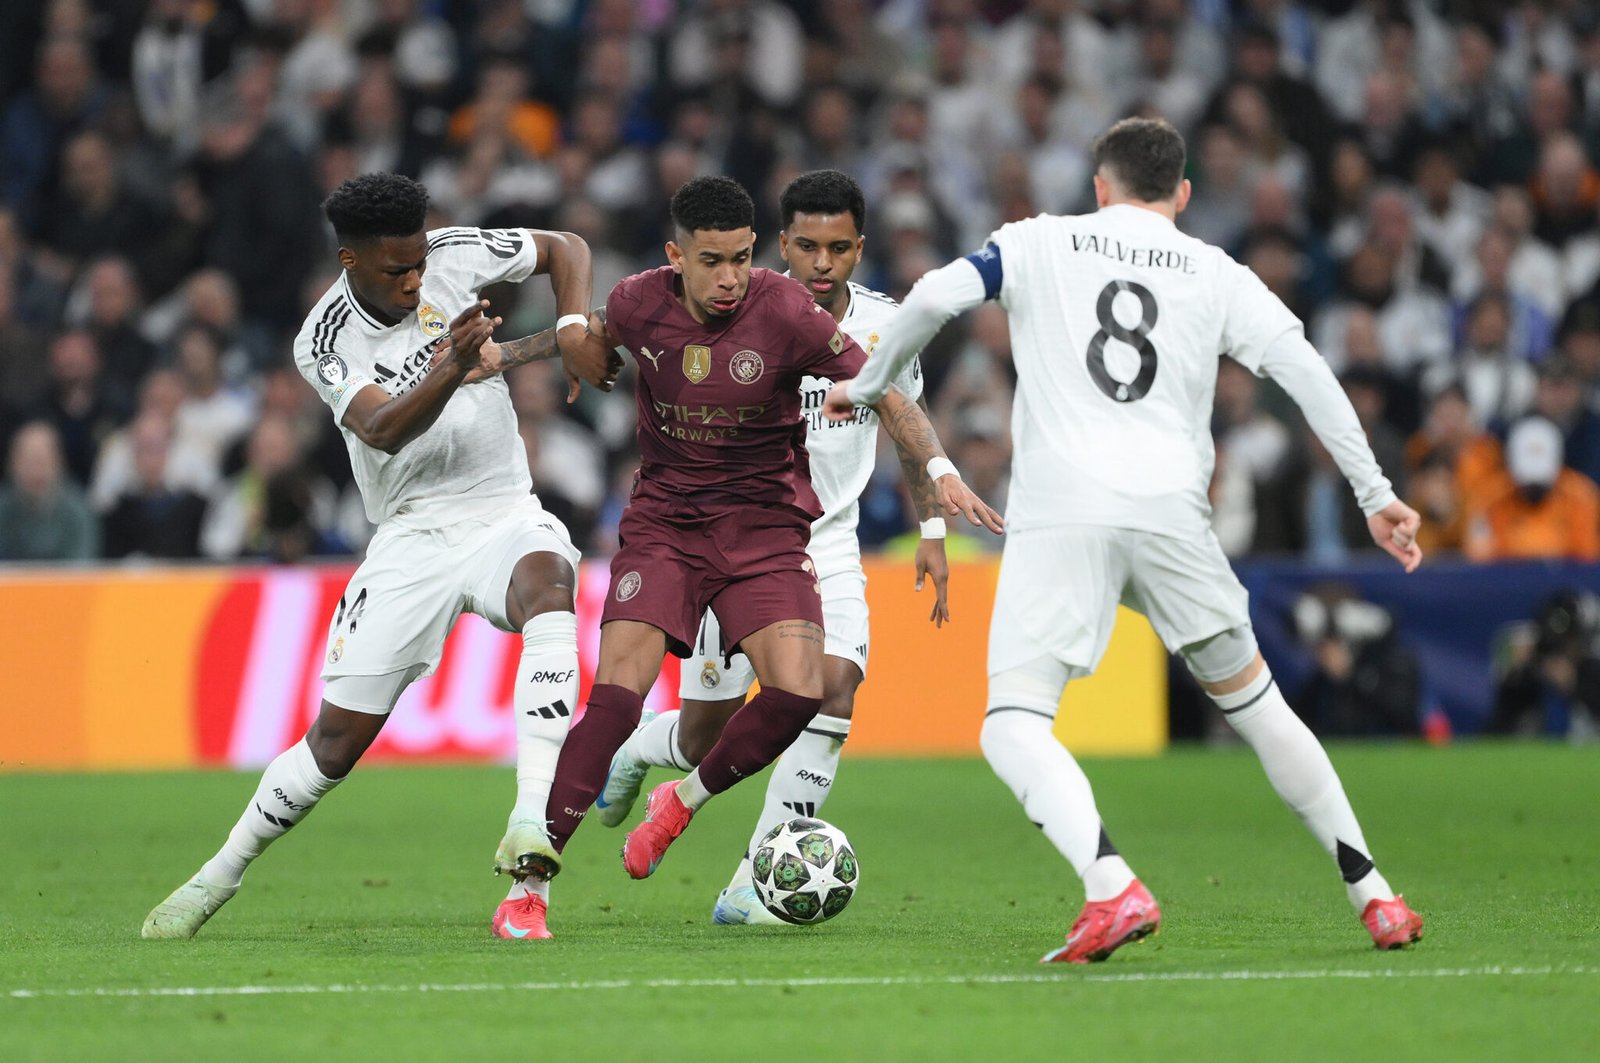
x,y
755,736
612,714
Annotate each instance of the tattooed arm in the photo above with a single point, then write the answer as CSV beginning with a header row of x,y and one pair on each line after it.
x,y
930,559
540,347
923,496
913,433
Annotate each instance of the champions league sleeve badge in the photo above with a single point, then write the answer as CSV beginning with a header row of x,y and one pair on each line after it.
x,y
332,371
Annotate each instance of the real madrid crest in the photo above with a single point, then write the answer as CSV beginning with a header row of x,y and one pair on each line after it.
x,y
337,651
430,320
696,362
746,367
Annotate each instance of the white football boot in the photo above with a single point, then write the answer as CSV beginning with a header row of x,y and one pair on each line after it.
x,y
740,904
623,783
186,910
527,852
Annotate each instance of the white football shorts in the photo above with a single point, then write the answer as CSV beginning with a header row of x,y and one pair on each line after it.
x,y
414,584
1059,590
844,634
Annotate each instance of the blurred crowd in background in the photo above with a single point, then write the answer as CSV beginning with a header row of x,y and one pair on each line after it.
x,y
1417,180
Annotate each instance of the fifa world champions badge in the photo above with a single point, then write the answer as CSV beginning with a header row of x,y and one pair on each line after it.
x,y
696,362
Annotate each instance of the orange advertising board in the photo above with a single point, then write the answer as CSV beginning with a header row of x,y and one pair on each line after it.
x,y
171,668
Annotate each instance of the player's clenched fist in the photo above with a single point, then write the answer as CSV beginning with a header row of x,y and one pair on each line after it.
x,y
837,406
1394,528
587,355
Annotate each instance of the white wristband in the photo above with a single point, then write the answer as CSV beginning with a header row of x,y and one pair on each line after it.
x,y
572,319
933,528
938,467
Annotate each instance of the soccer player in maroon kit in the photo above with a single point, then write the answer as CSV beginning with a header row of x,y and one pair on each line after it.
x,y
721,512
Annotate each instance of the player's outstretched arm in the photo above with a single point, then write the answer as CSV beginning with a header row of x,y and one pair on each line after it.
x,y
940,295
1304,375
913,434
584,356
386,423
542,347
931,560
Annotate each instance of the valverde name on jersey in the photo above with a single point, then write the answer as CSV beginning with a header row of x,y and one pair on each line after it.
x,y
1114,249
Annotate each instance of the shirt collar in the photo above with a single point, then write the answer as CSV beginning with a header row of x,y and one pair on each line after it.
x,y
366,320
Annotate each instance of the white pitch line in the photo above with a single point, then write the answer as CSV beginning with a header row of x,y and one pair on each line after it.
x,y
1064,978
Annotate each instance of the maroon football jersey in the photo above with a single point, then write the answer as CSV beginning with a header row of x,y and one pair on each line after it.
x,y
719,402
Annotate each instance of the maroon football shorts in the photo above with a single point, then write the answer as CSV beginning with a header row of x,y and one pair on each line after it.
x,y
747,563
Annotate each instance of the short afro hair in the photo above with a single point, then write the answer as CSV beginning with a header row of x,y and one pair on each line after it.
x,y
374,205
716,204
823,192
1145,156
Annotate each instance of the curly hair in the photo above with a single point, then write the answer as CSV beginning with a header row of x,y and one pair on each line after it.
x,y
1145,156
823,192
717,204
374,205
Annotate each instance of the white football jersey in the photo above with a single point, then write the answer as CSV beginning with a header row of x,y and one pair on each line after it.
x,y
1117,322
843,452
471,459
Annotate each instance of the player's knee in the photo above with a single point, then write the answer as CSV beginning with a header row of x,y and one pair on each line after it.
x,y
695,739
540,583
1222,657
1008,730
550,599
839,704
335,749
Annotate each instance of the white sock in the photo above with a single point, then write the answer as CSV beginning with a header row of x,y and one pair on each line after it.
x,y
544,700
655,742
692,792
530,887
741,874
289,789
802,779
1021,747
1300,771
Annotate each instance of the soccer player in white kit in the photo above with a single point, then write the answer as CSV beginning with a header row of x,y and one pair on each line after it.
x,y
434,447
823,213
1117,321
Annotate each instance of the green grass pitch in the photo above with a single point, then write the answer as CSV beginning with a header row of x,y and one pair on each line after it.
x,y
386,890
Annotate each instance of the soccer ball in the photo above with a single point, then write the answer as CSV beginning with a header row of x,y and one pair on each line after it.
x,y
805,871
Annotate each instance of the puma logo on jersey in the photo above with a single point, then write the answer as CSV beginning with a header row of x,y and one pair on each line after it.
x,y
655,359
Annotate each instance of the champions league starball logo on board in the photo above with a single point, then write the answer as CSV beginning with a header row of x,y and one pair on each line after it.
x,y
628,586
746,367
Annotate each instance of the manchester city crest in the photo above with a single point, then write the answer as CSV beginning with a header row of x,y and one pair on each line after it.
x,y
746,367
